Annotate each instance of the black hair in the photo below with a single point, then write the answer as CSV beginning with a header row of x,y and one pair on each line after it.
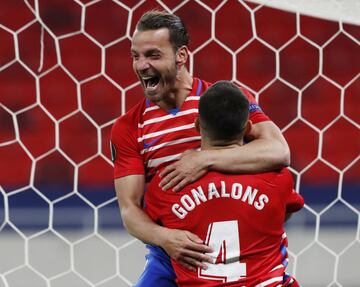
x,y
155,19
223,112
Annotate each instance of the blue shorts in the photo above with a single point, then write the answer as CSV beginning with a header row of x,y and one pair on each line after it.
x,y
158,269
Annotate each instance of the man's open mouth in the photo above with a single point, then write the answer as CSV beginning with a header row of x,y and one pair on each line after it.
x,y
151,82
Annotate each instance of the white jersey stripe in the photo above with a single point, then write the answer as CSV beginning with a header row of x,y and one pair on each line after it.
x,y
151,109
269,281
171,116
276,267
155,107
155,162
192,98
170,143
179,128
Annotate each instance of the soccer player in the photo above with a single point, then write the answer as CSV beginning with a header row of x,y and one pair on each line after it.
x,y
240,216
157,132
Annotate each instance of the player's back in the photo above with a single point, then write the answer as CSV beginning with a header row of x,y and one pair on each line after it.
x,y
240,216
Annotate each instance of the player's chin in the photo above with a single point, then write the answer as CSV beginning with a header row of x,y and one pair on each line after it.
x,y
154,97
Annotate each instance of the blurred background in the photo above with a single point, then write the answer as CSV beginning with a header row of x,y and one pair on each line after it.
x,y
66,75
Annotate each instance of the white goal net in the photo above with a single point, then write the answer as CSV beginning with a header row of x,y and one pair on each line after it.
x,y
65,76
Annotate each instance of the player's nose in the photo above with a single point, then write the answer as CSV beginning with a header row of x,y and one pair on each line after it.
x,y
142,64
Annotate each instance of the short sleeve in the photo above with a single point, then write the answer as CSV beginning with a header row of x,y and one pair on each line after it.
x,y
256,115
292,200
125,150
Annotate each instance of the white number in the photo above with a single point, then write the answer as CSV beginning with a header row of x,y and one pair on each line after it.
x,y
223,237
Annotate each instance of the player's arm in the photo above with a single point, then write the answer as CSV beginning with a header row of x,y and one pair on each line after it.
x,y
183,246
129,191
292,200
267,150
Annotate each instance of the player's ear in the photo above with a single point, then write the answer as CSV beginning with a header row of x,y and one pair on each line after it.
x,y
197,124
182,55
248,127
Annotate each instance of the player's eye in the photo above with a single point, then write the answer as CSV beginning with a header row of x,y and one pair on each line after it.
x,y
155,56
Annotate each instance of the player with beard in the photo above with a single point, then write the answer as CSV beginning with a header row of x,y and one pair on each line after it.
x,y
159,131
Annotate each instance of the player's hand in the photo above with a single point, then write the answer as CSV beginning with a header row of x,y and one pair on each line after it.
x,y
186,248
191,166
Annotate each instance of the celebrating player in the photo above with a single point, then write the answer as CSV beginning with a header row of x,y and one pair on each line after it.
x,y
157,132
240,216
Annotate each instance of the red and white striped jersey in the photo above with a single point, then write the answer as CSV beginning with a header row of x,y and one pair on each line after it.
x,y
148,137
240,216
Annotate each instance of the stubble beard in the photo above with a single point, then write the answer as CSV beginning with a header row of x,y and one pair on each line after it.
x,y
168,83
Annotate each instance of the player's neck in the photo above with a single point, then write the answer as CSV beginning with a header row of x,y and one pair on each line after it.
x,y
215,145
182,88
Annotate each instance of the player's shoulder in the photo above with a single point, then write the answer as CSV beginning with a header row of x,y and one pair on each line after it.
x,y
279,178
272,178
132,117
285,176
205,83
201,84
285,172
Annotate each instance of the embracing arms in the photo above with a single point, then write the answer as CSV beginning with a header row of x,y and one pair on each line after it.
x,y
267,150
183,246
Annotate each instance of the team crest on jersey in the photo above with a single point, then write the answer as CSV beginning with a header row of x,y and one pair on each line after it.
x,y
254,108
113,151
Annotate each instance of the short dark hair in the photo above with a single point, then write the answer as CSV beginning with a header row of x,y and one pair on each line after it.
x,y
223,112
155,19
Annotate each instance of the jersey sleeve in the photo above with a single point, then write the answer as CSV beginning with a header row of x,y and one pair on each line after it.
x,y
256,115
293,201
125,150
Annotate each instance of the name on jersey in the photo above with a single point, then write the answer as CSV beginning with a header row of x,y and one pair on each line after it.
x,y
237,191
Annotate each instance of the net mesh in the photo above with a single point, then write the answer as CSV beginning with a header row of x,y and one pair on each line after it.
x,y
65,76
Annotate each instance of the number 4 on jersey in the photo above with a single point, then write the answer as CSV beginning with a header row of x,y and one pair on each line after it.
x,y
223,237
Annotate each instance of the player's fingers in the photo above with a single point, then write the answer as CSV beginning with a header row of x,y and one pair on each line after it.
x,y
181,185
198,244
193,237
167,170
202,248
187,180
166,179
173,181
199,257
194,262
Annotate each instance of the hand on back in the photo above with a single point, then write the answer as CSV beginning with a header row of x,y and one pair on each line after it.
x,y
191,166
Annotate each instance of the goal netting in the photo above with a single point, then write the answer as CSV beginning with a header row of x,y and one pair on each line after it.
x,y
65,76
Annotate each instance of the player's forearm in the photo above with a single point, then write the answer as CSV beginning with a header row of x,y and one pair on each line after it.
x,y
257,156
140,225
130,191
